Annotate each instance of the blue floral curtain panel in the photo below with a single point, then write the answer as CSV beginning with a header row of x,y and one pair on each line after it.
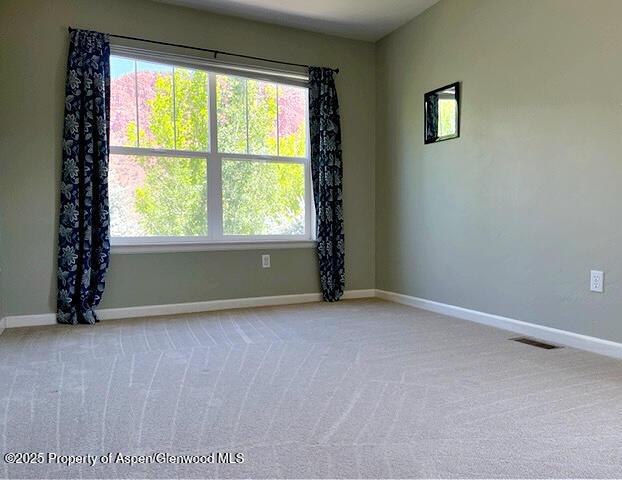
x,y
84,234
327,172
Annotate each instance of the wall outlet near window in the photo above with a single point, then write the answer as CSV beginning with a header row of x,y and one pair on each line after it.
x,y
597,278
265,261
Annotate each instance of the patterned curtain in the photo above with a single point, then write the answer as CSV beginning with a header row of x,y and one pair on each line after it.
x,y
431,117
327,173
84,237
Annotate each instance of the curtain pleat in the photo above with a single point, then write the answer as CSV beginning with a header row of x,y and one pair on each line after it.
x,y
327,173
84,226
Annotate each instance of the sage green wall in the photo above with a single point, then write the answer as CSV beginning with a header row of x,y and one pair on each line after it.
x,y
509,218
32,69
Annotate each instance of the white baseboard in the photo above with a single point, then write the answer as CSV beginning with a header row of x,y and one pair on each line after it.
x,y
177,308
37,320
549,334
354,294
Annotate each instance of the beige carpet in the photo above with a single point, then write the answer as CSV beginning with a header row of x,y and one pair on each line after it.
x,y
354,389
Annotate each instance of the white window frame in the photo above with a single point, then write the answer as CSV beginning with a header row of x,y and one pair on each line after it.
x,y
216,239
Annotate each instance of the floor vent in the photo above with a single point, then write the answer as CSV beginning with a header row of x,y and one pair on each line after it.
x,y
534,343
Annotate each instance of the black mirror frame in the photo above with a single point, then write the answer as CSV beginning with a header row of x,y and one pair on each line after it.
x,y
427,141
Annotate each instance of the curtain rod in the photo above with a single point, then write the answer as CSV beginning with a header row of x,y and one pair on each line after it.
x,y
209,50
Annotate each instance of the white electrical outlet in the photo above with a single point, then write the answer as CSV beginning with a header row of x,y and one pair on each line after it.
x,y
265,261
597,281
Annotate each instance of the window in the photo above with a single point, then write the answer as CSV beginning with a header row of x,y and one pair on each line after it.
x,y
204,154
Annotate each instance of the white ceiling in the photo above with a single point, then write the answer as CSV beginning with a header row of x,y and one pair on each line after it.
x,y
358,19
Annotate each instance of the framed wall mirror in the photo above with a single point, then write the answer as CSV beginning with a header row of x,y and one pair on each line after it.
x,y
442,114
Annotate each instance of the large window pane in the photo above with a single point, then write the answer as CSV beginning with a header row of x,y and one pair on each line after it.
x,y
155,105
123,102
231,106
262,198
191,110
292,121
160,106
261,117
157,196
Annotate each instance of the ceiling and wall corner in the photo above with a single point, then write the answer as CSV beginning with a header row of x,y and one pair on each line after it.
x,y
367,20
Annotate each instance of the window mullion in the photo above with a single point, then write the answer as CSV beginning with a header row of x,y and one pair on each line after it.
x,y
157,152
278,142
174,113
214,169
136,104
248,146
309,201
239,157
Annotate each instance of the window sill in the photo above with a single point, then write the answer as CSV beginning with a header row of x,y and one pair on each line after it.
x,y
174,247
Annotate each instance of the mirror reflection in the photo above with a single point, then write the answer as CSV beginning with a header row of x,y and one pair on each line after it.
x,y
442,114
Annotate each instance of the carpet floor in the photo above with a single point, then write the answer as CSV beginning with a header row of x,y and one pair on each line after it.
x,y
361,388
